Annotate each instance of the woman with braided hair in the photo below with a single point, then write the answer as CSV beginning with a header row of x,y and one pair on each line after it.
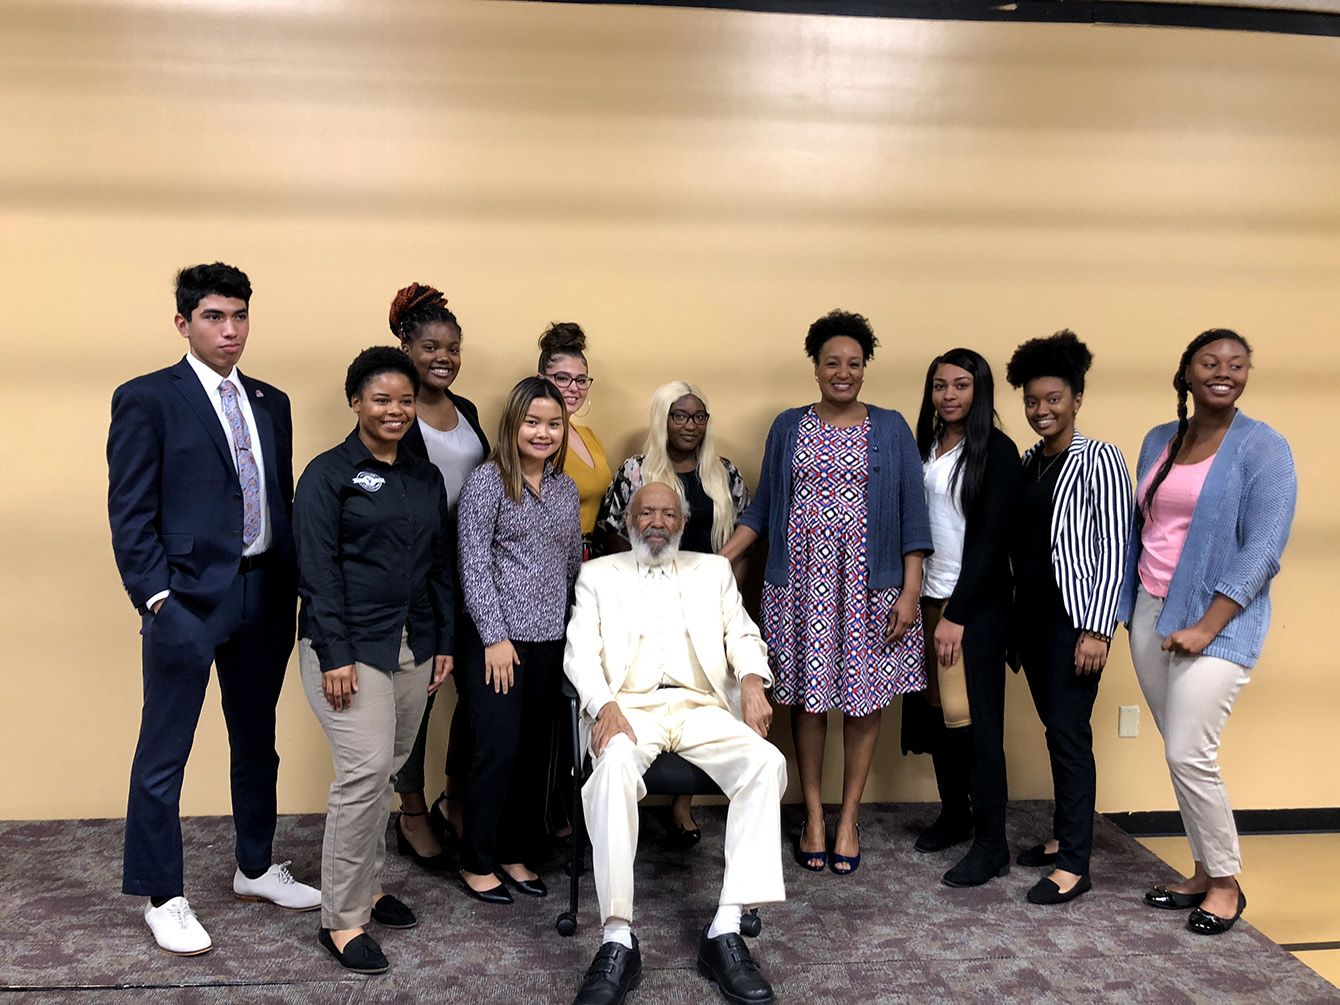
x,y
447,433
1216,499
1068,555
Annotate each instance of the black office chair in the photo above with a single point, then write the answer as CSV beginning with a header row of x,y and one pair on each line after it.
x,y
669,775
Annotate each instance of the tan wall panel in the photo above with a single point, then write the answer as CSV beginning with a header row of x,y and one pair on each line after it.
x,y
694,187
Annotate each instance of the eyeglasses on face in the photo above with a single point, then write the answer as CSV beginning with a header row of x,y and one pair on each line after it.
x,y
567,379
684,418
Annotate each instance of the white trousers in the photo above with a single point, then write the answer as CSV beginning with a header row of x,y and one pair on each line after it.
x,y
749,769
1190,698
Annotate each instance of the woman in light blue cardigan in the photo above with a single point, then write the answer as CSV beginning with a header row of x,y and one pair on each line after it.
x,y
1216,500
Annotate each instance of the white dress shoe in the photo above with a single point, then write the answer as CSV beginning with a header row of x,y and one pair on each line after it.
x,y
278,887
176,929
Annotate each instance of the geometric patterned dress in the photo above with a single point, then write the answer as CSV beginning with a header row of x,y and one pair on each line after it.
x,y
825,628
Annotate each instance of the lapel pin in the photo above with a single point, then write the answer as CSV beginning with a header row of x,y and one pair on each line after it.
x,y
259,393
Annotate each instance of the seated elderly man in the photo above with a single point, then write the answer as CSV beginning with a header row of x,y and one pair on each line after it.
x,y
665,658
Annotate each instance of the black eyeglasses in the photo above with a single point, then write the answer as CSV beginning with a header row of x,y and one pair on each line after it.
x,y
565,379
684,418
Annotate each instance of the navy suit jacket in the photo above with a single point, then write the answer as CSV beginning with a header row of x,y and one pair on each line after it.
x,y
173,494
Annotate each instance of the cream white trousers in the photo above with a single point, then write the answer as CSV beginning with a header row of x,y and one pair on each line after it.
x,y
749,769
1190,698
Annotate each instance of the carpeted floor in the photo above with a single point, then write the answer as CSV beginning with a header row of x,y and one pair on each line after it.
x,y
891,933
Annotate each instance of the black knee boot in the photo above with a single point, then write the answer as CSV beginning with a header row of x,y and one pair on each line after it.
x,y
989,855
953,760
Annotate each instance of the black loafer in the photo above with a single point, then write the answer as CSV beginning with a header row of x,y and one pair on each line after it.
x,y
1171,900
1202,922
1046,892
361,954
979,866
530,887
947,831
614,972
493,895
391,912
1036,856
726,961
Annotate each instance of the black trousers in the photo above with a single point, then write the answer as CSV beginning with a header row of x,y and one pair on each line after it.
x,y
503,815
248,638
1064,700
984,639
468,650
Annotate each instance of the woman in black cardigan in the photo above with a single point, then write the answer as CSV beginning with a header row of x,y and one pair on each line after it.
x,y
446,432
972,474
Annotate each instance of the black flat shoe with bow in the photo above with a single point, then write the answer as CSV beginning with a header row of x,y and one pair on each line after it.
x,y
1202,922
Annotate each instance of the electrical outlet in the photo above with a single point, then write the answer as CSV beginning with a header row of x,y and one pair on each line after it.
x,y
1128,720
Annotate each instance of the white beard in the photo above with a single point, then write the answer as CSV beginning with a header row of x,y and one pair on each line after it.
x,y
642,551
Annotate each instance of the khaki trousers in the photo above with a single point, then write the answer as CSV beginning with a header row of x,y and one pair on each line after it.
x,y
946,687
749,769
369,741
1190,698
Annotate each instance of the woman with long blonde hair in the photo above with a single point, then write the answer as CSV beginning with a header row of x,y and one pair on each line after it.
x,y
680,449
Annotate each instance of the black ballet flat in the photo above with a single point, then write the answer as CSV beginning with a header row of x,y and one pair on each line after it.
x,y
1036,856
1045,891
493,895
530,887
1202,922
1170,900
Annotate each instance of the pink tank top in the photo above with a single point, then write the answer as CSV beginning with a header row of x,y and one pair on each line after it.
x,y
1168,519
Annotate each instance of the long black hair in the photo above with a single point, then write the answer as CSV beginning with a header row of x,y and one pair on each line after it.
x,y
1183,389
970,469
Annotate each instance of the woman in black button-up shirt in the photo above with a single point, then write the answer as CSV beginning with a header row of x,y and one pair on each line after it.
x,y
375,634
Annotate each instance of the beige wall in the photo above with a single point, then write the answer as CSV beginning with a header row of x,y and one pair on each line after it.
x,y
692,186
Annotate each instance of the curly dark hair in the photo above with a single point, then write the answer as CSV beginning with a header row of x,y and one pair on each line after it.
x,y
373,362
415,306
195,282
561,338
1061,355
841,324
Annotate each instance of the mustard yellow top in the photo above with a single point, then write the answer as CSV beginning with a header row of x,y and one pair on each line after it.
x,y
591,482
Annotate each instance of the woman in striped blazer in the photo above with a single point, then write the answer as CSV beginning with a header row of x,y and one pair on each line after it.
x,y
1069,556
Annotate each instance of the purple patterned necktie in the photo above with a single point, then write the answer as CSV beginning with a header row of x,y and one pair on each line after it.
x,y
247,473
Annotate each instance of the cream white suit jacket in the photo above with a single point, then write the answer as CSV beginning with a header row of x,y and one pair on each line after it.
x,y
604,630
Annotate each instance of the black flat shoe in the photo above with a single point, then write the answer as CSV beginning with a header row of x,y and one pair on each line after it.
x,y
1171,900
391,912
1202,922
614,972
979,866
433,863
493,895
530,887
726,961
1046,892
1036,856
361,954
683,837
948,830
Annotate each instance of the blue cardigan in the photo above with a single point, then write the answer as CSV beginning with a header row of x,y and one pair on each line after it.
x,y
897,520
1237,534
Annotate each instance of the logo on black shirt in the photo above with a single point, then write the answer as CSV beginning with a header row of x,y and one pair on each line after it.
x,y
368,481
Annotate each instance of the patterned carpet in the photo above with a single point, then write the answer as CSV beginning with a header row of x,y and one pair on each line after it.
x,y
891,933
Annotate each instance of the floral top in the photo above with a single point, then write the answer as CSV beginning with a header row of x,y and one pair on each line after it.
x,y
698,529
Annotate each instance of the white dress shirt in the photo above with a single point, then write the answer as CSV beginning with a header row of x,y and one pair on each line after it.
x,y
943,502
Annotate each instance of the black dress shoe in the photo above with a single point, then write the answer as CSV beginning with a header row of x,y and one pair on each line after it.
x,y
980,865
445,830
1046,892
493,895
948,830
361,954
726,961
614,972
1036,856
1202,922
433,863
530,887
1171,900
391,912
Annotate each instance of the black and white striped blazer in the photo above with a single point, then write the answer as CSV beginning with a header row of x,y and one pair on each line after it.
x,y
1092,511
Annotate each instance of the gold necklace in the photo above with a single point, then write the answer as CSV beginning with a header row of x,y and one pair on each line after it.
x,y
1043,469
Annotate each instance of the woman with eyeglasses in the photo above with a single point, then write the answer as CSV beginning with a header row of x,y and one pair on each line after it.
x,y
680,447
563,364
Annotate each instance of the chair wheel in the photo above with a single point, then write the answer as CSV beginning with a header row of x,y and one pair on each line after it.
x,y
566,924
751,925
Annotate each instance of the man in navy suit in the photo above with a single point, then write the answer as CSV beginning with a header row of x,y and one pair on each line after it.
x,y
200,497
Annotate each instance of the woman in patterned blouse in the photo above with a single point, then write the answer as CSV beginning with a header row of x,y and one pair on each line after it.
x,y
520,549
680,446
840,499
